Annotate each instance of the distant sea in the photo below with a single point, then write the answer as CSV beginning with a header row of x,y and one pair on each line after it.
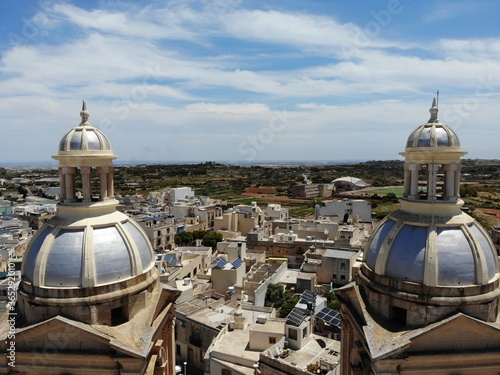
x,y
53,164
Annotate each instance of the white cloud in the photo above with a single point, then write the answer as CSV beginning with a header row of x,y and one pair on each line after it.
x,y
229,108
155,75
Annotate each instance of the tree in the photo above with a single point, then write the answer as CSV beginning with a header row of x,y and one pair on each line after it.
x,y
287,306
467,190
332,301
275,295
183,238
390,197
199,234
211,238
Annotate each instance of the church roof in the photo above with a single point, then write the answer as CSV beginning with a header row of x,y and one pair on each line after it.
x,y
433,133
445,252
429,240
88,243
88,253
84,138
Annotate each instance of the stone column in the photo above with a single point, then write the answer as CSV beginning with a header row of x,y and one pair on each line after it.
x,y
103,182
346,345
450,171
431,181
69,183
111,188
457,180
414,171
407,181
86,184
169,342
62,184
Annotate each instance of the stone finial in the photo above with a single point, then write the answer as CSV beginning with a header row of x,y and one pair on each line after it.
x,y
84,114
433,111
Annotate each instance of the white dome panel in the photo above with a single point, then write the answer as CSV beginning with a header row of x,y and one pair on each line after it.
x,y
64,261
456,263
112,258
406,260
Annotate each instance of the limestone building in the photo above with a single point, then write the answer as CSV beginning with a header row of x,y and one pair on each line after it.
x,y
90,300
426,299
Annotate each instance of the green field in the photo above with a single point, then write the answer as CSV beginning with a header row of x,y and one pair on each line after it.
x,y
398,190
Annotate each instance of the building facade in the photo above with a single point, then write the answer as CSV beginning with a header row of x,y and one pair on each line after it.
x,y
426,298
90,299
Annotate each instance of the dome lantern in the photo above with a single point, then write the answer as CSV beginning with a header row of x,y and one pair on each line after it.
x,y
432,162
89,254
429,249
84,150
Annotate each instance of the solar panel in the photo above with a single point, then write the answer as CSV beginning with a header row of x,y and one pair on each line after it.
x,y
171,260
330,316
307,296
295,317
321,315
219,262
237,263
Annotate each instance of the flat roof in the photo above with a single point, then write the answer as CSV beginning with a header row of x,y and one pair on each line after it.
x,y
318,348
270,326
289,277
342,254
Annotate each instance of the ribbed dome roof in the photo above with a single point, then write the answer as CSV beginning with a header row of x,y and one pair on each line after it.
x,y
447,254
87,253
429,240
84,139
433,133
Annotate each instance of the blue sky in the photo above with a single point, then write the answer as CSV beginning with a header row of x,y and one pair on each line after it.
x,y
247,80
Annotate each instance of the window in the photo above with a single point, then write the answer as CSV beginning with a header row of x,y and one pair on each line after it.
x,y
272,340
334,276
292,333
342,265
225,371
398,315
178,349
342,277
304,333
118,316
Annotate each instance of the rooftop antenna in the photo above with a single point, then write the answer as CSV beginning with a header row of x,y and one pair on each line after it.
x,y
437,99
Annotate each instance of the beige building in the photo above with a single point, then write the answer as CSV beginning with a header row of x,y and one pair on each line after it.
x,y
426,298
331,266
254,342
354,210
90,300
227,274
274,211
241,220
160,229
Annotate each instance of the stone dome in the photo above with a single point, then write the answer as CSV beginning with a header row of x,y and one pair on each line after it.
x,y
429,259
429,240
87,253
450,253
433,133
90,261
88,243
84,138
